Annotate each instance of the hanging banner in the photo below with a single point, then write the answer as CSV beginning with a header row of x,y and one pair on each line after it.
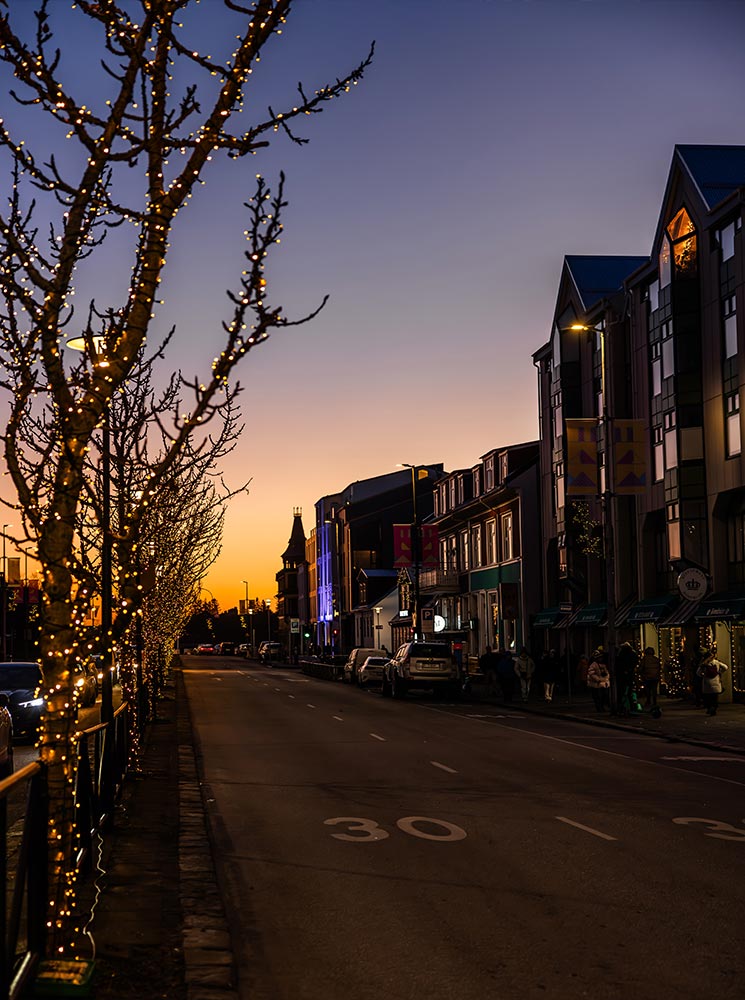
x,y
630,475
402,554
581,438
430,545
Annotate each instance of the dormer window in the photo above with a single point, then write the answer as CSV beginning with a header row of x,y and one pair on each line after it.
x,y
489,474
682,233
477,482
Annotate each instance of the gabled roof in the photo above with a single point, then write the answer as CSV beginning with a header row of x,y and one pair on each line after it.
x,y
596,278
716,171
295,551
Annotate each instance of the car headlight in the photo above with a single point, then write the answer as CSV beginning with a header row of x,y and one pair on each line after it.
x,y
32,704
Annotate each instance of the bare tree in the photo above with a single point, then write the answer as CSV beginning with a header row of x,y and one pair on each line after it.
x,y
136,124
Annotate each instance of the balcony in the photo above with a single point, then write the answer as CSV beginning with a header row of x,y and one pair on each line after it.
x,y
439,581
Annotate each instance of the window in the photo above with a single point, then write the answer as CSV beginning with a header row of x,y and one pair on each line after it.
x,y
436,503
503,468
658,449
671,441
476,545
683,234
464,564
451,491
556,348
461,490
730,327
727,241
477,482
732,419
673,532
491,542
443,498
507,541
664,263
654,296
656,358
668,350
489,474
556,410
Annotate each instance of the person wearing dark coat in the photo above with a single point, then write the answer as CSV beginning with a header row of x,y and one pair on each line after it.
x,y
627,660
551,671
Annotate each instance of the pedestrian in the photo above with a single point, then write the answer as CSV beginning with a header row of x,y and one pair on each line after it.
x,y
627,660
710,671
524,670
598,680
551,669
651,672
583,665
506,674
488,667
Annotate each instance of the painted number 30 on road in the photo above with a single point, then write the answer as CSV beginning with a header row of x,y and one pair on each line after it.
x,y
367,830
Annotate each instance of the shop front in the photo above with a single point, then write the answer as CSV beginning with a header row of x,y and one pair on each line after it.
x,y
721,622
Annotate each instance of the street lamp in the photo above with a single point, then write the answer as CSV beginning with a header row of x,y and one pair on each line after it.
x,y
606,494
415,547
253,632
5,597
107,697
246,583
377,626
268,605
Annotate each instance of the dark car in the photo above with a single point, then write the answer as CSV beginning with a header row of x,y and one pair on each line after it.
x,y
86,683
22,683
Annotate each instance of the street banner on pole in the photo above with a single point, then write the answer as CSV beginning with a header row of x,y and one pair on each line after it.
x,y
430,544
402,554
582,458
630,457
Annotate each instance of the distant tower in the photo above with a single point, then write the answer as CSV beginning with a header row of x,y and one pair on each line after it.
x,y
293,558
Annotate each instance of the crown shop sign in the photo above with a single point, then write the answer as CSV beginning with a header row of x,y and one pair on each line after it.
x,y
692,584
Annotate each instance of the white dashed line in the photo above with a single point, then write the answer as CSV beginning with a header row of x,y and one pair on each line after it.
x,y
311,706
338,718
290,695
442,767
716,757
376,737
587,829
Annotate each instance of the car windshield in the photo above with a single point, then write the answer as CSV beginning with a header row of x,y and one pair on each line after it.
x,y
19,675
429,649
375,661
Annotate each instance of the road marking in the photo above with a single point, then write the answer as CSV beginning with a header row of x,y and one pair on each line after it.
x,y
519,718
587,829
442,767
311,706
716,757
338,718
376,737
277,689
290,695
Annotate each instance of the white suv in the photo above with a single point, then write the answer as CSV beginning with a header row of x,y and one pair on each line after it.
x,y
421,665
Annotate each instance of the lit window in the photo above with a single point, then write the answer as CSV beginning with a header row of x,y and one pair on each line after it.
x,y
683,234
659,454
491,542
476,545
507,541
732,416
673,533
464,564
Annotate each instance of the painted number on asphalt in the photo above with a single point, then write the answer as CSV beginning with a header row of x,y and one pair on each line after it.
x,y
717,828
361,829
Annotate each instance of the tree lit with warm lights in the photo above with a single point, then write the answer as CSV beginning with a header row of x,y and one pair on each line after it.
x,y
135,155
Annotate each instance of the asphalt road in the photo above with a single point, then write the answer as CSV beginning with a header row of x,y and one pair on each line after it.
x,y
372,848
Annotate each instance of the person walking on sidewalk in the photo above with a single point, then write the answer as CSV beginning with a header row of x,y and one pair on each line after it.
x,y
598,681
551,670
651,672
627,660
506,674
488,667
524,670
710,671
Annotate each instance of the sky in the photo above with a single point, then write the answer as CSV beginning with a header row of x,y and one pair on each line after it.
x,y
434,204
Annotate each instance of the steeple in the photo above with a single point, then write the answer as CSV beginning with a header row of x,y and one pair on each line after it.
x,y
294,554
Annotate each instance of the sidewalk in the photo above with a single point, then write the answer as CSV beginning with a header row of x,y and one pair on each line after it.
x,y
679,722
159,925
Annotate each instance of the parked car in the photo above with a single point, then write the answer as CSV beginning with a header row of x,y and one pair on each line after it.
x,y
6,738
21,682
86,683
225,649
243,650
271,652
372,670
206,649
421,665
355,660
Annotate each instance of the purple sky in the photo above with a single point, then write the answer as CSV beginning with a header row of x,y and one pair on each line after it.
x,y
434,204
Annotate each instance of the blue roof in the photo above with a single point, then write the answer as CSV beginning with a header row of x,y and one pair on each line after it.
x,y
716,170
599,277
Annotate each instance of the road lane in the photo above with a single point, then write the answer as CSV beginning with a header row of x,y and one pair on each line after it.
x,y
337,891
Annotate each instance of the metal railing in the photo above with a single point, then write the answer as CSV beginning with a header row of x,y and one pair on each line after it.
x,y
102,767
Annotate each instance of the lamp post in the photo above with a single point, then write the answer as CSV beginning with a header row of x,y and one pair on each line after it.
x,y
5,597
268,606
415,548
246,583
253,632
606,498
107,698
377,626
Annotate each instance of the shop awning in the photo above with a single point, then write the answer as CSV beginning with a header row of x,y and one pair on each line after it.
x,y
591,614
549,617
650,609
726,606
684,612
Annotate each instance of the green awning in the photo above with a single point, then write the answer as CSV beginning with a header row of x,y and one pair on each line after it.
x,y
547,618
726,606
591,614
651,609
